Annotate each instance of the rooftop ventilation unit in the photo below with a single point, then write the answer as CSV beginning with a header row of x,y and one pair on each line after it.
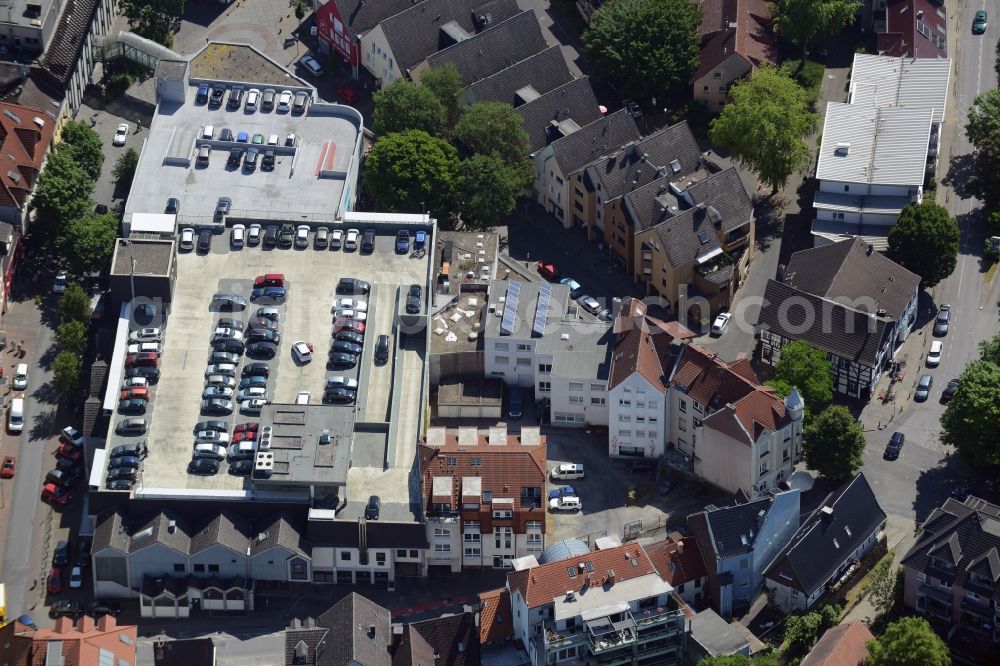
x,y
844,148
263,465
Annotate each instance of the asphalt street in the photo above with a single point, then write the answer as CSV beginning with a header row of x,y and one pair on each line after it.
x,y
926,471
24,552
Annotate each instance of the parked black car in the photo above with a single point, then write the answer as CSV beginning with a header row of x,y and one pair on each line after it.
x,y
262,349
203,466
413,299
353,287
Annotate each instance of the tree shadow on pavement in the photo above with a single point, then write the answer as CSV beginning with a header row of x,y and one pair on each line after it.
x,y
48,357
934,485
44,425
960,169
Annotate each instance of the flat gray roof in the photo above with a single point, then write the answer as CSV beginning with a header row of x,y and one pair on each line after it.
x,y
527,302
578,348
311,180
484,391
300,457
152,257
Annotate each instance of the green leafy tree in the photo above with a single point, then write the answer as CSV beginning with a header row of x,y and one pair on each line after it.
x,y
969,421
833,443
883,587
71,336
765,124
74,304
63,192
446,84
725,660
807,368
124,169
990,350
404,106
412,171
984,116
800,22
151,18
489,188
985,180
645,48
492,127
85,146
66,372
88,242
908,642
924,240
802,631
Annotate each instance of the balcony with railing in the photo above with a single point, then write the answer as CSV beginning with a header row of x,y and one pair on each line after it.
x,y
933,602
620,637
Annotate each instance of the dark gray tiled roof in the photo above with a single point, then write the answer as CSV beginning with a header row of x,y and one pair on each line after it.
x,y
974,529
597,139
492,50
836,329
687,236
725,193
825,541
360,16
451,640
348,621
166,527
846,270
542,71
735,528
638,164
110,532
415,33
227,529
63,52
344,533
279,531
573,101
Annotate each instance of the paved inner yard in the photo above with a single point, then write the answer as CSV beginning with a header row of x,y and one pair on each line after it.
x,y
311,277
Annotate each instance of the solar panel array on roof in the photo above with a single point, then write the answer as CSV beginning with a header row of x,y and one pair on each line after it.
x,y
541,310
510,308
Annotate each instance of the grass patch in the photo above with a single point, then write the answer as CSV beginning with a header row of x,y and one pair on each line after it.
x,y
568,10
808,75
858,590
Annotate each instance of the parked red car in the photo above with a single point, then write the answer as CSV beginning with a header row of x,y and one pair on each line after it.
x,y
142,359
55,581
548,271
348,94
55,495
9,467
69,452
269,280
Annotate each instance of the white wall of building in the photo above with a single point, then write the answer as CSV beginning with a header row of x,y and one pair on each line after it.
x,y
637,418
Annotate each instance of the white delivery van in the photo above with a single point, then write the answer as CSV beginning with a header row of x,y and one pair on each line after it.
x,y
15,417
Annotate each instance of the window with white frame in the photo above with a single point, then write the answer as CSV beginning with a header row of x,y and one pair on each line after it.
x,y
597,388
544,387
696,406
682,406
502,513
575,386
442,548
533,538
442,532
501,346
533,525
624,433
598,401
523,347
503,360
473,551
624,418
471,537
576,400
545,368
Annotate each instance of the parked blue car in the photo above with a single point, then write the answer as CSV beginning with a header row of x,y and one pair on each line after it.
x,y
564,491
243,137
268,295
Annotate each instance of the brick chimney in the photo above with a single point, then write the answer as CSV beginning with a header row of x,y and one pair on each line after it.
x,y
64,625
107,623
85,624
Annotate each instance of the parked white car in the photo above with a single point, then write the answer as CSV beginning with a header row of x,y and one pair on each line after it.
x,y
145,348
213,436
134,382
302,351
145,335
121,134
351,239
348,313
565,503
302,235
350,304
285,100
187,239
238,236
336,239
230,333
934,355
59,285
721,323
21,377
253,96
228,369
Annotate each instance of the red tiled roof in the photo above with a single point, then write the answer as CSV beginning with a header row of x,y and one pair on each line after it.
x,y
678,561
504,469
742,27
23,142
540,585
843,645
712,382
81,646
645,345
495,623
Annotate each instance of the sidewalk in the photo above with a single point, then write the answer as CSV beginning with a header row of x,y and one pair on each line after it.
x,y
899,535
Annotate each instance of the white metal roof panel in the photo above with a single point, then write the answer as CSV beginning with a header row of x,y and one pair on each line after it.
x,y
917,83
846,124
901,143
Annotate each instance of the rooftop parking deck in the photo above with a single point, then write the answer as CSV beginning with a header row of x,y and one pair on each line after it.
x,y
381,427
313,179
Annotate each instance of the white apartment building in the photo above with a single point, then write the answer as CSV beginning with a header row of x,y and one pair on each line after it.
x,y
537,338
